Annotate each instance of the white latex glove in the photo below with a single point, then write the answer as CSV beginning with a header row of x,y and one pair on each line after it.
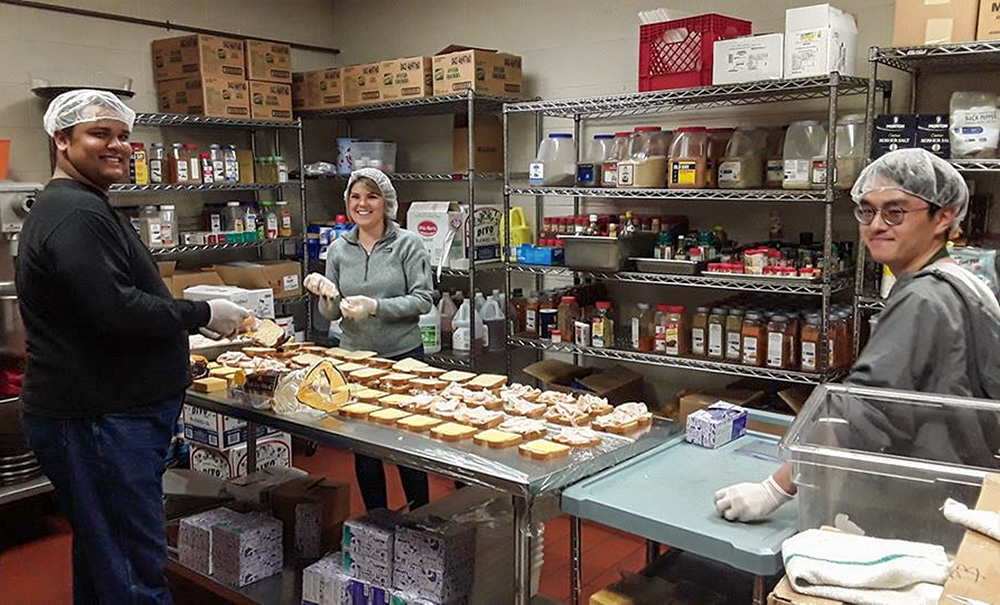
x,y
750,501
227,317
357,307
319,285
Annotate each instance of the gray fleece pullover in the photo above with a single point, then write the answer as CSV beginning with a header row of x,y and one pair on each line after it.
x,y
397,273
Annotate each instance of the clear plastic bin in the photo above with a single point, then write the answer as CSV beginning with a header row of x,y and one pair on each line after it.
x,y
889,459
374,154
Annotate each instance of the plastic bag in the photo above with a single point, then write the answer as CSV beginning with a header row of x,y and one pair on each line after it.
x,y
980,262
285,400
318,169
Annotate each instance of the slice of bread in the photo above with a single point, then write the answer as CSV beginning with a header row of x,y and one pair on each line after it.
x,y
367,375
543,449
337,352
358,410
452,431
346,367
488,382
379,362
418,423
395,400
428,372
359,355
397,378
409,365
304,360
236,377
210,384
269,334
369,395
387,416
457,376
260,351
431,385
496,438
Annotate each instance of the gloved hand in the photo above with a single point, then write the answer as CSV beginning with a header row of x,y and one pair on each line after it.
x,y
319,285
750,501
227,317
357,307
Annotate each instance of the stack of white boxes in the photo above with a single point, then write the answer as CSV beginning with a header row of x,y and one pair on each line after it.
x,y
368,545
219,444
325,581
194,538
246,549
435,560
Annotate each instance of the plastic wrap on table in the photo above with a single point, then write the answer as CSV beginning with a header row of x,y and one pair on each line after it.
x,y
501,468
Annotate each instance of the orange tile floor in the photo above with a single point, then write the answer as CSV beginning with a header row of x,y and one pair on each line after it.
x,y
35,543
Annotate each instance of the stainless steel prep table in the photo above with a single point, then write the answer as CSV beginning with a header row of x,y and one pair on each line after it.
x,y
666,496
507,470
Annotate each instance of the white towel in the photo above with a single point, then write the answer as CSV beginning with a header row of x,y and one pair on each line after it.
x,y
864,570
983,521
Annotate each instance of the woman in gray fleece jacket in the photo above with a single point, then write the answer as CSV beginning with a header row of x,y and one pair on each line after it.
x,y
378,283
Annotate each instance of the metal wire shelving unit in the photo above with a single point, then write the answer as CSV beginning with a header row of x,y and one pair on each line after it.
x,y
405,108
424,176
198,187
831,88
181,250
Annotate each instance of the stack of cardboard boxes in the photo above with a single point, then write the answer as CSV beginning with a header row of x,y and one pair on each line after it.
x,y
919,22
454,69
223,77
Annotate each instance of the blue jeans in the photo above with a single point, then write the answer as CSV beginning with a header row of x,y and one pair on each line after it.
x,y
371,473
107,473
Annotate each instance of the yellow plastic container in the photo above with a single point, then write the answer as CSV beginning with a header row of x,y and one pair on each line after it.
x,y
520,232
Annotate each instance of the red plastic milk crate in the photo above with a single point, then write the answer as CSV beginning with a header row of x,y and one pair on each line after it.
x,y
688,62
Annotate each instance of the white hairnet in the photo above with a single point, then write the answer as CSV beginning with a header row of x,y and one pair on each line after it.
x,y
385,188
85,105
917,172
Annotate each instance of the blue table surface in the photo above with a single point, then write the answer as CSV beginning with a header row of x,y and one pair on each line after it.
x,y
666,495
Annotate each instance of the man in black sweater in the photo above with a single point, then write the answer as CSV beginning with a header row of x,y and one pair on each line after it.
x,y
107,355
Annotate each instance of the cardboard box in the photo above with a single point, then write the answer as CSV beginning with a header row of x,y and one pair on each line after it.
x,y
198,55
892,132
259,302
268,61
716,425
271,101
408,78
312,510
182,280
819,39
217,430
616,383
488,144
486,71
988,27
281,276
272,451
319,89
932,134
362,84
920,22
784,594
749,59
205,96
975,574
437,223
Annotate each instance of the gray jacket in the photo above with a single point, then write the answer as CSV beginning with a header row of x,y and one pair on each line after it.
x,y
397,273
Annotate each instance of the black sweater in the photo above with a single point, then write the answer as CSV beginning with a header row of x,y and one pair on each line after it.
x,y
103,333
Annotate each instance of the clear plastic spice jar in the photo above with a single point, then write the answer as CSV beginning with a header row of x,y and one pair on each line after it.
x,y
754,339
779,343
677,332
699,332
717,333
734,335
811,331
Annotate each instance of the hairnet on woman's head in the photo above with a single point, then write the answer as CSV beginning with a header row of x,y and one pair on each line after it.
x,y
917,172
85,105
384,185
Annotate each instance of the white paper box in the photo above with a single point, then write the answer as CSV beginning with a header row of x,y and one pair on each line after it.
x,y
247,549
444,227
325,581
819,39
272,451
716,425
259,302
194,538
749,59
217,430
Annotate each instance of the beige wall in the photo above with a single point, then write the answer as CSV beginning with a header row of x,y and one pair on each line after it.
x,y
35,42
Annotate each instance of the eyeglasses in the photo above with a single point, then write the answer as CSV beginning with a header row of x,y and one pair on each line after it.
x,y
891,215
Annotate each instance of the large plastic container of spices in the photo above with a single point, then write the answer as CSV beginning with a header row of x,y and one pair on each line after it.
x,y
150,227
284,218
168,226
177,165
617,153
590,170
157,163
974,125
689,158
194,162
231,164
234,217
218,163
646,166
850,149
555,164
774,175
804,141
743,165
718,141
430,330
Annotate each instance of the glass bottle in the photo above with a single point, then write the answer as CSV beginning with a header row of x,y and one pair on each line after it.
x,y
531,308
150,227
231,166
251,220
281,169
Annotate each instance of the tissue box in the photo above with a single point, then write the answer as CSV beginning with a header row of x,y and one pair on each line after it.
x,y
716,425
325,582
435,560
194,538
359,592
367,544
246,549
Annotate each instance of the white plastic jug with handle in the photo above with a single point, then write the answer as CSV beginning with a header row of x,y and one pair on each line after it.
x,y
465,338
430,330
804,141
494,320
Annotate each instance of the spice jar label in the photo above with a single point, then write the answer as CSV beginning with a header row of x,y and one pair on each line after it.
x,y
808,357
750,351
698,341
715,341
775,349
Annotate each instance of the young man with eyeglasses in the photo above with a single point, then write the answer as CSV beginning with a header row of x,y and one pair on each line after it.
x,y
939,331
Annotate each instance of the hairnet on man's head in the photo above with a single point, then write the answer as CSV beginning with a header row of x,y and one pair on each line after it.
x,y
385,187
85,105
917,172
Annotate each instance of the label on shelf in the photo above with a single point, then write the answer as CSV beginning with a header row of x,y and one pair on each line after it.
x,y
635,333
733,345
818,172
808,356
672,336
698,341
610,177
730,172
775,350
750,350
660,339
684,172
797,171
531,321
715,340
775,171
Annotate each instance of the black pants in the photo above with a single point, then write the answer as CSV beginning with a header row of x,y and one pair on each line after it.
x,y
371,472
